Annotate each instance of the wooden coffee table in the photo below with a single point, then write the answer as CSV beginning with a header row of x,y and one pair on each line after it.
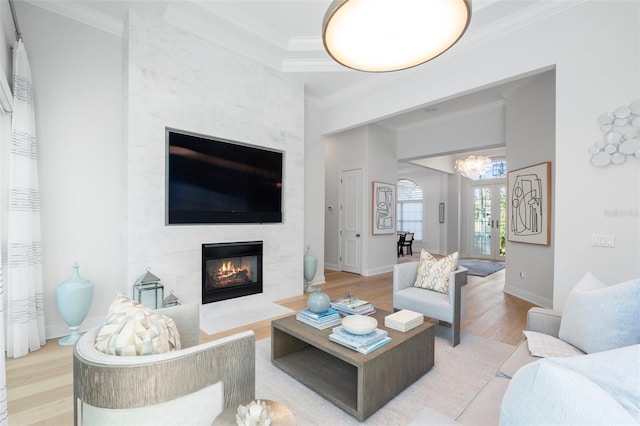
x,y
359,384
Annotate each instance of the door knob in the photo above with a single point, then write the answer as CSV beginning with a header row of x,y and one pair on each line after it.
x,y
357,235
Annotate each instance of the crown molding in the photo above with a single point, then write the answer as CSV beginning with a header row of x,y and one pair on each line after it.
x,y
83,14
305,44
200,28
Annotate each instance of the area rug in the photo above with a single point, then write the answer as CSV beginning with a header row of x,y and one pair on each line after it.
x,y
228,314
480,268
459,373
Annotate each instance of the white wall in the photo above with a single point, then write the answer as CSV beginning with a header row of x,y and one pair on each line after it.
x,y
7,39
471,129
530,129
372,149
344,151
180,81
381,250
596,71
77,77
314,200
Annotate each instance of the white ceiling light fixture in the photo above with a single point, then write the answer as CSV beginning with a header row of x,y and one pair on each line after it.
x,y
392,35
473,167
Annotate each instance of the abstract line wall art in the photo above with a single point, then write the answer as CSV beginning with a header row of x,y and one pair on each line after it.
x,y
529,212
384,207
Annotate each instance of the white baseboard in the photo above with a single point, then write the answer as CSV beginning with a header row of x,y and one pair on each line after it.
x,y
378,271
331,266
529,297
59,330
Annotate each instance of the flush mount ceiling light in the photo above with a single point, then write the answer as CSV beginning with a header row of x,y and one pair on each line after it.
x,y
392,35
473,167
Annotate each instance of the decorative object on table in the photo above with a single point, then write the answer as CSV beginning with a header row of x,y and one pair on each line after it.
x,y
383,209
255,413
318,301
310,265
170,300
350,305
403,320
529,206
326,319
74,296
620,134
359,324
363,343
148,290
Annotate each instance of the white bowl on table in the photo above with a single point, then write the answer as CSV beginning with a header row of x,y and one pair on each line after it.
x,y
359,324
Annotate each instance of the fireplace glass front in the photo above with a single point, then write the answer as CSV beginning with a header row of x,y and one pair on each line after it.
x,y
231,270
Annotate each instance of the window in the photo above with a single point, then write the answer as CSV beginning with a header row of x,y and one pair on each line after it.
x,y
497,170
409,208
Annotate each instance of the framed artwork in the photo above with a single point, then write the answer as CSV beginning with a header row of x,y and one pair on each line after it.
x,y
529,206
384,208
441,212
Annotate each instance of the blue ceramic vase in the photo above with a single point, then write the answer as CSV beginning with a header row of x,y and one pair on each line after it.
x,y
73,297
318,301
310,266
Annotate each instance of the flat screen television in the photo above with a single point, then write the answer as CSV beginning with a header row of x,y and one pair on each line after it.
x,y
213,180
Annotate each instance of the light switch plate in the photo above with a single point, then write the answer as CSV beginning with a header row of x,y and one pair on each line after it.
x,y
603,240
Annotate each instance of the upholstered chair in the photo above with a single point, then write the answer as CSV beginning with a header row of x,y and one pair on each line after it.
x,y
188,386
447,308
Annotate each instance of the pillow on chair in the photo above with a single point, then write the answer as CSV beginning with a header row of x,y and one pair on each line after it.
x,y
434,274
133,329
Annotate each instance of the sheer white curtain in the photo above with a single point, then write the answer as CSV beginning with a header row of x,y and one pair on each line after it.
x,y
25,298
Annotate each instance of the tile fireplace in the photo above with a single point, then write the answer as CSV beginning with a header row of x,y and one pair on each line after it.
x,y
231,270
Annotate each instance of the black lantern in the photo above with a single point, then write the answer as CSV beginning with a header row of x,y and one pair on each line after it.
x,y
148,290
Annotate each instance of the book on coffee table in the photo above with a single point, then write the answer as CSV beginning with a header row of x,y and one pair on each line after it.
x,y
351,306
363,343
329,318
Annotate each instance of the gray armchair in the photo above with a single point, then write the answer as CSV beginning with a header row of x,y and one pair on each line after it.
x,y
448,308
189,386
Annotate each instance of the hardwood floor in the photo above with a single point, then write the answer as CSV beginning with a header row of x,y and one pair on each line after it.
x,y
40,385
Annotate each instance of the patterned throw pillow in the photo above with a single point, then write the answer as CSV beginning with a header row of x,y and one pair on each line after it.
x,y
133,329
434,274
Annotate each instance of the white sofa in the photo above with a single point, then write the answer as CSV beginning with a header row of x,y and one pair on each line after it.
x,y
601,388
586,370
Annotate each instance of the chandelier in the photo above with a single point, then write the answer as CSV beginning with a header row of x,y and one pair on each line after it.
x,y
391,35
473,167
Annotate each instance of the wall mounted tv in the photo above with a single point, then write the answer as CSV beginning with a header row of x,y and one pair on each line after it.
x,y
213,180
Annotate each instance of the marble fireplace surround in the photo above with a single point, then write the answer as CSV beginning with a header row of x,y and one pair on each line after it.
x,y
174,79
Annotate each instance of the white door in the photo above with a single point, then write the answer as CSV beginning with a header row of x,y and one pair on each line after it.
x,y
489,203
351,221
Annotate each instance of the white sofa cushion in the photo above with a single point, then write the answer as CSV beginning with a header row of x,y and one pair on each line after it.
x,y
595,389
434,274
597,317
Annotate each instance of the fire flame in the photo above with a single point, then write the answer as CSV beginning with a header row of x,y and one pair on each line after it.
x,y
228,269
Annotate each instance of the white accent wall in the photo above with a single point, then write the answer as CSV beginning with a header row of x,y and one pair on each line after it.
x,y
177,80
